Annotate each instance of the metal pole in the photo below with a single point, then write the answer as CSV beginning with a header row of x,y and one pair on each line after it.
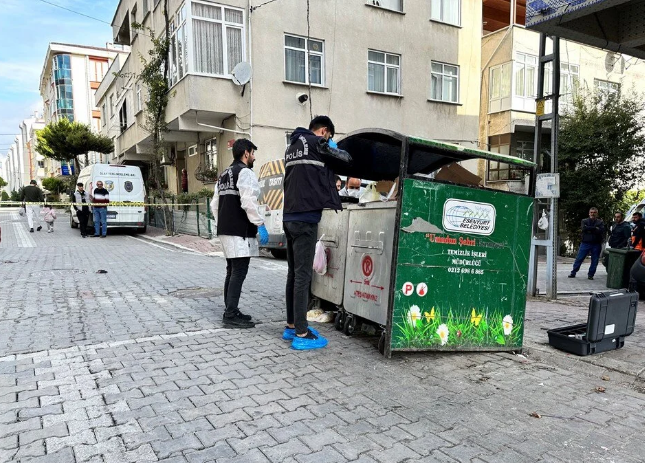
x,y
208,218
197,215
552,251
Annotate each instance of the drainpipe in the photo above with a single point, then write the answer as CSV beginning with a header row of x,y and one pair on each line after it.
x,y
221,129
250,64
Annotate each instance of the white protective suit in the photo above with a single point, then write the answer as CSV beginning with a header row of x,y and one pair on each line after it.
x,y
236,246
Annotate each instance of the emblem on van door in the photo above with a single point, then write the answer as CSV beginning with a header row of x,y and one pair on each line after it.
x,y
109,185
128,186
469,217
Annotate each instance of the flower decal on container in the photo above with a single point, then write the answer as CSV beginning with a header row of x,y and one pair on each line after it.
x,y
475,319
443,333
507,324
414,315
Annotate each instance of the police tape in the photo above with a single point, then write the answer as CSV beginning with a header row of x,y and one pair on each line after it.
x,y
111,203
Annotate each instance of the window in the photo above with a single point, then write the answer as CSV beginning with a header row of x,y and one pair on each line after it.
x,y
98,68
133,19
525,72
606,87
445,82
499,88
304,57
178,46
192,150
396,5
500,171
62,87
103,115
123,116
111,99
569,82
218,38
145,7
96,124
383,72
138,96
210,154
446,11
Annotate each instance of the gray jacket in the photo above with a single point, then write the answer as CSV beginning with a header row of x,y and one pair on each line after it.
x,y
78,198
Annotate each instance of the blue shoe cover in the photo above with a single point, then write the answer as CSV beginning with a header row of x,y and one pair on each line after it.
x,y
289,333
308,344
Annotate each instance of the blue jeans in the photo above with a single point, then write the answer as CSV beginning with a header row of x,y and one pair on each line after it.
x,y
586,249
100,221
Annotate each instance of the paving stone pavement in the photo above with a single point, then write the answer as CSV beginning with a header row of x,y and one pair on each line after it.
x,y
133,366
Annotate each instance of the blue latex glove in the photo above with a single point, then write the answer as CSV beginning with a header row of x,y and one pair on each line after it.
x,y
264,234
332,143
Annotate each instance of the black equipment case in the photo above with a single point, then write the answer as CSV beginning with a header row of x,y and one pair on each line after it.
x,y
611,318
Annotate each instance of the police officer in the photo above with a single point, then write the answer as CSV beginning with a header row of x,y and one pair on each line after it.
x,y
235,207
309,187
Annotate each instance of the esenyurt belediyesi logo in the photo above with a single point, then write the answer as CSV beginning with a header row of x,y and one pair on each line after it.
x,y
468,217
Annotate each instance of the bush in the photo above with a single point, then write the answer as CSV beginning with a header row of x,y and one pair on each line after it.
x,y
4,197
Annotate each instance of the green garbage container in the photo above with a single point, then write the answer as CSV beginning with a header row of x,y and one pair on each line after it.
x,y
620,263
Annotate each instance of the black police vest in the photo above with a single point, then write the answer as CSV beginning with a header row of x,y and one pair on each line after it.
x,y
231,218
309,185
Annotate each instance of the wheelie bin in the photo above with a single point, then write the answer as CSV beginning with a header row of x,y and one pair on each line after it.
x,y
442,267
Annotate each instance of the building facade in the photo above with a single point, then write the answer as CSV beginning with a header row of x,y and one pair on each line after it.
x,y
411,67
509,87
70,77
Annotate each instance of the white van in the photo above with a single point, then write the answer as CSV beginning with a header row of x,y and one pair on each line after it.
x,y
271,202
125,184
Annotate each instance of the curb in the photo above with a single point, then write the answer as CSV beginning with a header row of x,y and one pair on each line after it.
x,y
179,246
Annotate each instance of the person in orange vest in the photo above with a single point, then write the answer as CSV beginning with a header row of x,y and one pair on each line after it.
x,y
638,231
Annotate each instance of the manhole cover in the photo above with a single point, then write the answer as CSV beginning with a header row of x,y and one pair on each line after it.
x,y
194,293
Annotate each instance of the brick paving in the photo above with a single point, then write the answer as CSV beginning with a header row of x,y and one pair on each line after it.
x,y
133,366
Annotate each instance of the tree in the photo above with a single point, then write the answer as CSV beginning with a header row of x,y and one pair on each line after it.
x,y
64,141
54,185
601,144
3,183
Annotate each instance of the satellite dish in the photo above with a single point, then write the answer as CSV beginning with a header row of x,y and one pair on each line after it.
x,y
241,73
610,61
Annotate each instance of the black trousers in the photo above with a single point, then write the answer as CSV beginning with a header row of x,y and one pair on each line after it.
x,y
301,247
82,221
236,270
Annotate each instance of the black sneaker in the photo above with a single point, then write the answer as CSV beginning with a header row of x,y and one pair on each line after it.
x,y
243,316
590,277
31,230
236,322
572,275
39,228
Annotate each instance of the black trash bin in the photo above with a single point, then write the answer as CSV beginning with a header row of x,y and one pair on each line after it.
x,y
620,263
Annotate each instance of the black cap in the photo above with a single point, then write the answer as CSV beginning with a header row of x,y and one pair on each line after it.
x,y
33,182
79,184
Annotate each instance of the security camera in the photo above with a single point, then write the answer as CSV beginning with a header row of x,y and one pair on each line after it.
x,y
302,98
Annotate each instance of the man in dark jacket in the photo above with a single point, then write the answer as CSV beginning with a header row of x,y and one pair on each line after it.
x,y
619,234
593,233
309,187
32,194
638,231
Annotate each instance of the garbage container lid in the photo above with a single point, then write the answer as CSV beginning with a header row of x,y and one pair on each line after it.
x,y
377,155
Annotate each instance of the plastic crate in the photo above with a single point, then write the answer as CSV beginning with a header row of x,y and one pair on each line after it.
x,y
573,339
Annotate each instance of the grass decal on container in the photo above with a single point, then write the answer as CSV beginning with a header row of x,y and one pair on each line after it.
x,y
423,328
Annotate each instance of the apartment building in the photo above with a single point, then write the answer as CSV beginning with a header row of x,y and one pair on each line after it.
x,y
509,86
71,75
22,163
403,65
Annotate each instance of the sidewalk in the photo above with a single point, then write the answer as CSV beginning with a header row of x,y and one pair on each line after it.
x,y
186,242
